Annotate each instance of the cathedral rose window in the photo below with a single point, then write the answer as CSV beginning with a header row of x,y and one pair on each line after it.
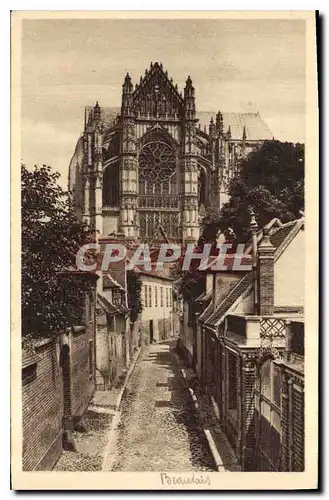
x,y
157,169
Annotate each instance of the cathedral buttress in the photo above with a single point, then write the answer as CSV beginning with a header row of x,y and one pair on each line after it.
x,y
93,171
128,163
189,169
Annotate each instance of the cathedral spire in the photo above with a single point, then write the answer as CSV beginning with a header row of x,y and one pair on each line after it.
x,y
189,97
97,112
219,123
212,128
127,86
244,134
189,89
127,90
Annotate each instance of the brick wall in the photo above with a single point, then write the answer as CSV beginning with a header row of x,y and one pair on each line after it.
x,y
266,286
266,276
58,381
82,370
42,411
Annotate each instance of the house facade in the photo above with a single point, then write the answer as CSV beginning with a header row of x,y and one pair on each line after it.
x,y
114,344
158,319
242,341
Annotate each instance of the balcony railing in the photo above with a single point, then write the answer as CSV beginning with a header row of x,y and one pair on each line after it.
x,y
256,327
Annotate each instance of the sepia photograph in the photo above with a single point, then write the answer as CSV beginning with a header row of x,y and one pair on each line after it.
x,y
164,177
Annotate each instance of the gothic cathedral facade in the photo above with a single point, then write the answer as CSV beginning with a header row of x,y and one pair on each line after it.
x,y
151,169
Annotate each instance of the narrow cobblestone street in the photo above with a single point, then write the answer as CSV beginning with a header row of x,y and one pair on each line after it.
x,y
159,429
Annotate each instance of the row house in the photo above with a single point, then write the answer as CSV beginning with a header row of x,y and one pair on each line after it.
x,y
114,344
118,334
157,320
58,381
249,349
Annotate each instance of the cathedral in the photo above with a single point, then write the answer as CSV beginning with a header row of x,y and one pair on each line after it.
x,y
150,169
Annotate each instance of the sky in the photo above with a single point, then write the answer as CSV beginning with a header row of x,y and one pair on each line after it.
x,y
235,65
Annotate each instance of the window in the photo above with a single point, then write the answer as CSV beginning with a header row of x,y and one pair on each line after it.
x,y
156,296
150,296
167,297
29,373
110,322
111,183
116,297
145,295
161,296
157,169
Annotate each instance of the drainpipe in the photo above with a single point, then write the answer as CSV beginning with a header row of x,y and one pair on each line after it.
x,y
253,227
214,292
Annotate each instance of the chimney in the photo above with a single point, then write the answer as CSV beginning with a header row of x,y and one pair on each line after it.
x,y
266,275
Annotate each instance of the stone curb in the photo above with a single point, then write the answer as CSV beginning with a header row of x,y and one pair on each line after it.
x,y
110,448
211,443
131,369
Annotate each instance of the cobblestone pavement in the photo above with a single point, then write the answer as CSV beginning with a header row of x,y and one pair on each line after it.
x,y
90,444
159,429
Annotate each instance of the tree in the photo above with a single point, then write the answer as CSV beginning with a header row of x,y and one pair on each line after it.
x,y
271,180
51,237
134,290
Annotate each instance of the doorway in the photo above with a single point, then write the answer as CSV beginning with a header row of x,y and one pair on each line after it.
x,y
151,331
65,364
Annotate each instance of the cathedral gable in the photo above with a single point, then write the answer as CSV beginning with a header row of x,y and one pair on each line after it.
x,y
156,96
158,132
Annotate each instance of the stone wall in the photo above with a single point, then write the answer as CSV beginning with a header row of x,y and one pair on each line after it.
x,y
110,356
82,370
58,382
42,409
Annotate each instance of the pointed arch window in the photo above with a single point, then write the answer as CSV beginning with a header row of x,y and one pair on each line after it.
x,y
111,185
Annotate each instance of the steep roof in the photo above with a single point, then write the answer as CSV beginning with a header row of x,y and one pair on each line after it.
x,y
228,301
228,263
110,282
106,304
108,114
280,238
256,128
278,232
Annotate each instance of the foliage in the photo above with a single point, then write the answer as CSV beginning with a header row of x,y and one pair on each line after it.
x,y
271,180
51,237
135,304
191,284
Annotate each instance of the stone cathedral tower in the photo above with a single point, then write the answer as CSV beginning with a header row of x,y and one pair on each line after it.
x,y
156,162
